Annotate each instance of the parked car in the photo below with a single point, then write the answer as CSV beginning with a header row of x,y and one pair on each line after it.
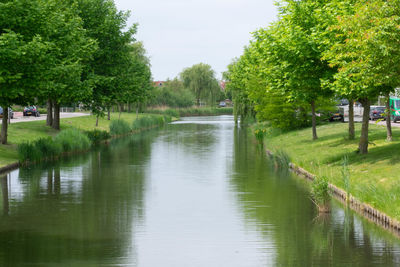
x,y
377,112
31,111
222,104
10,113
335,116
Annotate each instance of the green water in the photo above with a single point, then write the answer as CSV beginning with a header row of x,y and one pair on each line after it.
x,y
197,193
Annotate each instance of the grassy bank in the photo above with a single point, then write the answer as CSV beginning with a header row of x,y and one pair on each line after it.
x,y
374,178
20,133
185,112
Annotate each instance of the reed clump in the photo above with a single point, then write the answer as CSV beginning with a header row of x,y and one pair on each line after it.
x,y
320,194
48,148
119,127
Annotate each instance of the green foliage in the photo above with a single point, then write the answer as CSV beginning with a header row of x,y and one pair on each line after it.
x,y
149,121
172,94
72,140
200,79
184,112
260,133
47,147
281,159
28,151
320,191
346,175
119,127
96,136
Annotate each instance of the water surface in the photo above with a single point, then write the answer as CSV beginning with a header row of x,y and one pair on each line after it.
x,y
197,193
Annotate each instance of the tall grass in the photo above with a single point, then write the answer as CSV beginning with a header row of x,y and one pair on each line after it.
x,y
72,140
149,121
96,136
281,159
320,193
49,148
119,127
346,176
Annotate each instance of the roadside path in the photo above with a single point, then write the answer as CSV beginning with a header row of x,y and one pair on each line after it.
x,y
383,123
18,116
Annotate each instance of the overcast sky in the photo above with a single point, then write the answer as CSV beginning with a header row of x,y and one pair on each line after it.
x,y
180,33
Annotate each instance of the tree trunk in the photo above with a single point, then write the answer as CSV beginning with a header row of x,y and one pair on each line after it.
x,y
120,110
4,126
108,114
351,120
4,191
56,118
198,102
314,121
97,120
137,111
363,145
49,120
389,136
113,108
129,107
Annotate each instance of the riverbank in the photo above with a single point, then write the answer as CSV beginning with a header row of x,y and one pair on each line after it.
x,y
193,111
374,178
30,131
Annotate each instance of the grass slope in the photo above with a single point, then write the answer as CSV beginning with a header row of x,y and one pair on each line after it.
x,y
30,131
375,177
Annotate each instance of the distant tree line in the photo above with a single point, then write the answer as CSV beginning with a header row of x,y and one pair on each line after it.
x,y
316,51
69,51
196,84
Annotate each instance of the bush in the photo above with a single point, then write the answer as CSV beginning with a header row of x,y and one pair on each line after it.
x,y
72,140
96,136
119,127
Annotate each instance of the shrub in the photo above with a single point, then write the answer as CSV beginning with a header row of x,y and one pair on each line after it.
x,y
96,136
119,127
72,140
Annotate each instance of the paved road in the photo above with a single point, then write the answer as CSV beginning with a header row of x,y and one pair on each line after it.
x,y
383,123
18,117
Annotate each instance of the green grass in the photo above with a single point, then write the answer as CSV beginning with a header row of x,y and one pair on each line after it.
x,y
31,131
373,178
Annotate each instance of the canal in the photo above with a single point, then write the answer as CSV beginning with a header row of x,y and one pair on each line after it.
x,y
196,193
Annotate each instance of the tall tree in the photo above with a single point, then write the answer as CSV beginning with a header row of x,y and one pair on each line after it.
x,y
22,55
104,23
368,58
70,51
200,78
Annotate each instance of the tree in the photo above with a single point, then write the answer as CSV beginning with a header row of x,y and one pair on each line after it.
x,y
368,59
134,80
200,79
22,55
105,24
69,53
